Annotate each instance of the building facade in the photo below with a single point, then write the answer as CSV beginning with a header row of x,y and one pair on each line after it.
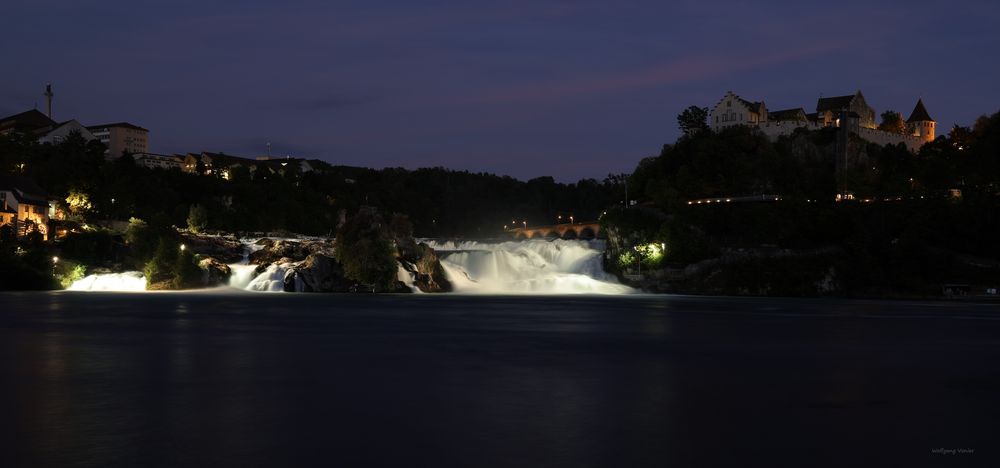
x,y
24,206
850,111
62,131
121,138
159,161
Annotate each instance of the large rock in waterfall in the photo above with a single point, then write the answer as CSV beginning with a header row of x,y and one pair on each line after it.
x,y
215,273
423,264
317,268
274,250
322,273
223,249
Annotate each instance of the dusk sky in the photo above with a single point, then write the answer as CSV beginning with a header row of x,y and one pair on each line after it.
x,y
569,89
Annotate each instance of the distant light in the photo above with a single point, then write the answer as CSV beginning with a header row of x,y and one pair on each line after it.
x,y
55,259
183,247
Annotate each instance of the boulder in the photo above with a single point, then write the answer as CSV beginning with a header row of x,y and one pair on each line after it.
x,y
322,273
216,273
423,262
275,250
224,249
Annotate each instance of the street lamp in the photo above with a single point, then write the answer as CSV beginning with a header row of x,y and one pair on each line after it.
x,y
571,219
525,222
55,261
183,247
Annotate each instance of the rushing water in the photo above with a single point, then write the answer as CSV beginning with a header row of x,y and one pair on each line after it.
x,y
130,281
527,267
516,267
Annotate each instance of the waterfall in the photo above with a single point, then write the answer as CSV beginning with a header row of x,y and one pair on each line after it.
x,y
272,279
516,267
527,267
128,281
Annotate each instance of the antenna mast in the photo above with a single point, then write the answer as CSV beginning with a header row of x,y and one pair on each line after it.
x,y
48,97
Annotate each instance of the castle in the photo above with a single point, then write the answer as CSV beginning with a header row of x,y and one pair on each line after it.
x,y
850,112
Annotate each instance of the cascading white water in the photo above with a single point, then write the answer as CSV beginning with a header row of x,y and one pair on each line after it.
x,y
128,281
272,279
527,267
517,267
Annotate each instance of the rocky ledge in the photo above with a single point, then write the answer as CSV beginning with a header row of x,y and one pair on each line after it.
x,y
315,268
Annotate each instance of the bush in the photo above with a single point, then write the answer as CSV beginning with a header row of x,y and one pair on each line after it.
x,y
161,267
197,218
68,272
186,272
89,247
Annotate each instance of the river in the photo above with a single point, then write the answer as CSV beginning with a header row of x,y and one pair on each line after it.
x,y
233,378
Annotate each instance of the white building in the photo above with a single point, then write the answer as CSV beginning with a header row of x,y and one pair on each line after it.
x,y
61,131
159,161
833,111
121,138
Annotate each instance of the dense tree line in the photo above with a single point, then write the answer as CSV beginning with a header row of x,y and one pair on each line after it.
x,y
914,218
438,201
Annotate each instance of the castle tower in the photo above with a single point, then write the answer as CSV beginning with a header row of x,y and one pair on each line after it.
x,y
920,123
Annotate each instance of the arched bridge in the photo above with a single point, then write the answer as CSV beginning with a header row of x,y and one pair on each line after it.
x,y
558,231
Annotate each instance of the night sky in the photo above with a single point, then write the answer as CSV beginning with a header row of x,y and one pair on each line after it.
x,y
569,89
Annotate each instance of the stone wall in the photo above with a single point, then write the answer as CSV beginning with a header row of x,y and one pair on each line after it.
x,y
773,130
913,143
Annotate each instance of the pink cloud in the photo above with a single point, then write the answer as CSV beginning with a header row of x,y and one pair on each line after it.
x,y
679,71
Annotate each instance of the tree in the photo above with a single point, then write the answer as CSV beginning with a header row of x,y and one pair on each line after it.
x,y
365,250
693,120
197,218
79,203
186,272
892,122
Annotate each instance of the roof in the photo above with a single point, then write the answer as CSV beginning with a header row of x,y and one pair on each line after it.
x,y
787,114
919,113
63,124
173,158
116,124
221,159
834,103
25,189
753,106
30,121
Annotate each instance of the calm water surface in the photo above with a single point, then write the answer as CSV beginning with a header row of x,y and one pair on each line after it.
x,y
237,379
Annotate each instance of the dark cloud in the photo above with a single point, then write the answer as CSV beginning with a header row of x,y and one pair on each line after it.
x,y
330,102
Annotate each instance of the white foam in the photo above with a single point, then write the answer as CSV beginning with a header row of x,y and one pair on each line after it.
x,y
128,281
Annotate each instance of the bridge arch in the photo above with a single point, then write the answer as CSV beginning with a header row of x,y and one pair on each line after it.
x,y
556,231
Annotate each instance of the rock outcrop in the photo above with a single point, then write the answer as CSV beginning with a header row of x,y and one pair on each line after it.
x,y
275,250
316,269
322,273
224,249
422,262
214,272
